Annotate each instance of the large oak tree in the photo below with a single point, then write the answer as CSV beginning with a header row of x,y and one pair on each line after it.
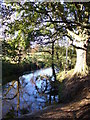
x,y
67,19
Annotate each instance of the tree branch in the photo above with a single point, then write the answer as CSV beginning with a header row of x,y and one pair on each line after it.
x,y
11,86
78,47
75,36
70,22
46,51
12,97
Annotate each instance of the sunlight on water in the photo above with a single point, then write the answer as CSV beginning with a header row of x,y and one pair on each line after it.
x,y
47,71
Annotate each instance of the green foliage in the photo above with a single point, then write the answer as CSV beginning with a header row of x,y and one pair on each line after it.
x,y
47,60
60,57
37,22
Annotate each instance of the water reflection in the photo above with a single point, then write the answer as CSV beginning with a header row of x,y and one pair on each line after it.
x,y
29,93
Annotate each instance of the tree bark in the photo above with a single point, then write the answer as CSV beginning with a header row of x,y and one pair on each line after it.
x,y
18,97
80,43
81,65
53,69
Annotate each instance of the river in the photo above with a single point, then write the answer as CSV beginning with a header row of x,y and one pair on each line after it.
x,y
29,94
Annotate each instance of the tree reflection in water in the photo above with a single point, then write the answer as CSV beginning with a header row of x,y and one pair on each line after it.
x,y
14,91
24,96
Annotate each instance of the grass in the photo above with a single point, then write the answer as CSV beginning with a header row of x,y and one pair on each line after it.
x,y
70,75
64,75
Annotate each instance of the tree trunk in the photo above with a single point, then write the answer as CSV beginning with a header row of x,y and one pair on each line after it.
x,y
53,69
80,43
80,66
18,97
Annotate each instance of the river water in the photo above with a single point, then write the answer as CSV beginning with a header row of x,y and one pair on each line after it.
x,y
30,94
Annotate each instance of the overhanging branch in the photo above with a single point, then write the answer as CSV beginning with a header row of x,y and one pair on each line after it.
x,y
70,22
75,36
77,47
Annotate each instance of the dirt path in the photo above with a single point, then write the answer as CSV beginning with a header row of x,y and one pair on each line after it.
x,y
78,110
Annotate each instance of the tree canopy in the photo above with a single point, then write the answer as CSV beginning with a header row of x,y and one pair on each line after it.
x,y
47,23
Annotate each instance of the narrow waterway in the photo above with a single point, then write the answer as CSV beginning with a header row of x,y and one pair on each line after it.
x,y
28,94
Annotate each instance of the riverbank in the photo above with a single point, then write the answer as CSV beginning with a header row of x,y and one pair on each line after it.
x,y
75,104
12,71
